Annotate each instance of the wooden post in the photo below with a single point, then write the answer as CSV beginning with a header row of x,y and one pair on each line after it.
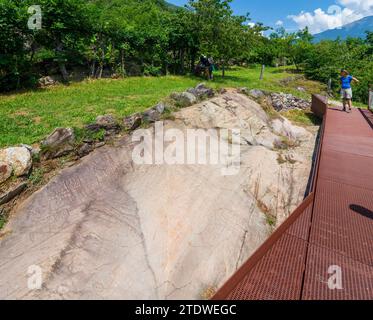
x,y
330,87
262,72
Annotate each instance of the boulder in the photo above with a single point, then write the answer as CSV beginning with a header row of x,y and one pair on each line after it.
x,y
184,99
59,143
18,158
5,171
132,122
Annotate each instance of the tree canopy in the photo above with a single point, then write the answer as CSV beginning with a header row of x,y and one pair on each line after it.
x,y
151,37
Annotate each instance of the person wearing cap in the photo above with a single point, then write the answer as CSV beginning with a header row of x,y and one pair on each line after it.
x,y
346,92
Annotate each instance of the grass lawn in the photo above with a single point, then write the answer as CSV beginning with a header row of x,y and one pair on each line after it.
x,y
29,117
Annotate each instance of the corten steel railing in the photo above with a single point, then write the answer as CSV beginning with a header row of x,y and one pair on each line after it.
x,y
319,107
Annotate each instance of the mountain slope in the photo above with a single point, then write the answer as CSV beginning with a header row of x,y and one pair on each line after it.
x,y
355,29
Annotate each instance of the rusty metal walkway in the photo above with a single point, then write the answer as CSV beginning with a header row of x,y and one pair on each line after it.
x,y
329,238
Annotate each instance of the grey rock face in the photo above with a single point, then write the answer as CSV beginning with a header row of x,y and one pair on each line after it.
x,y
108,228
18,159
59,143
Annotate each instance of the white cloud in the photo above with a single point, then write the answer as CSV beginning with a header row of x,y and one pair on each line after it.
x,y
335,17
279,23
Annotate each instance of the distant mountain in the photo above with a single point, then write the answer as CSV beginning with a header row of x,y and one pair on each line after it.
x,y
355,29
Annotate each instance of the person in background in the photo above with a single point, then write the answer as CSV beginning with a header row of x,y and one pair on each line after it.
x,y
211,68
346,92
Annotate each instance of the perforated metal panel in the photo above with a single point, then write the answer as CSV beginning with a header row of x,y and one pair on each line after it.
x,y
355,278
278,275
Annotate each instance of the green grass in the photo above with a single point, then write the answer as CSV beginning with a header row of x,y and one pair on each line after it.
x,y
30,116
2,221
302,117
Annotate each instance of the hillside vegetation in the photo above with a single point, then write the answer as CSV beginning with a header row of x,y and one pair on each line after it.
x,y
30,116
101,38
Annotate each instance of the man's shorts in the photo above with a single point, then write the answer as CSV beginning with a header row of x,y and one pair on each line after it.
x,y
346,94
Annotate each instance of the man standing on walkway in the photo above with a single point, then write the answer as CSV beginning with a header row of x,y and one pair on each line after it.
x,y
346,91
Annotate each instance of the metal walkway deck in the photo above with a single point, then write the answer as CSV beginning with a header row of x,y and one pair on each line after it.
x,y
330,234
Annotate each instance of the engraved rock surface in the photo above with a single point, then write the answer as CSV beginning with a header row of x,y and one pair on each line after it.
x,y
108,228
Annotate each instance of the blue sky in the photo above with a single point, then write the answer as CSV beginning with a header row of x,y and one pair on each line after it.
x,y
318,15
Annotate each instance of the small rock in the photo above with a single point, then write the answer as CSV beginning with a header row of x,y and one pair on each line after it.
x,y
201,91
59,143
256,94
34,150
18,158
132,122
106,122
5,172
184,99
301,89
244,91
223,91
46,81
285,128
85,149
160,107
99,144
10,195
151,116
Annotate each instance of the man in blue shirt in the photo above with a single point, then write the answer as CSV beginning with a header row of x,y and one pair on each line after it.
x,y
346,92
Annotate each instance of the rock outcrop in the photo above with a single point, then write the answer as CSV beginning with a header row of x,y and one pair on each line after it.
x,y
109,228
